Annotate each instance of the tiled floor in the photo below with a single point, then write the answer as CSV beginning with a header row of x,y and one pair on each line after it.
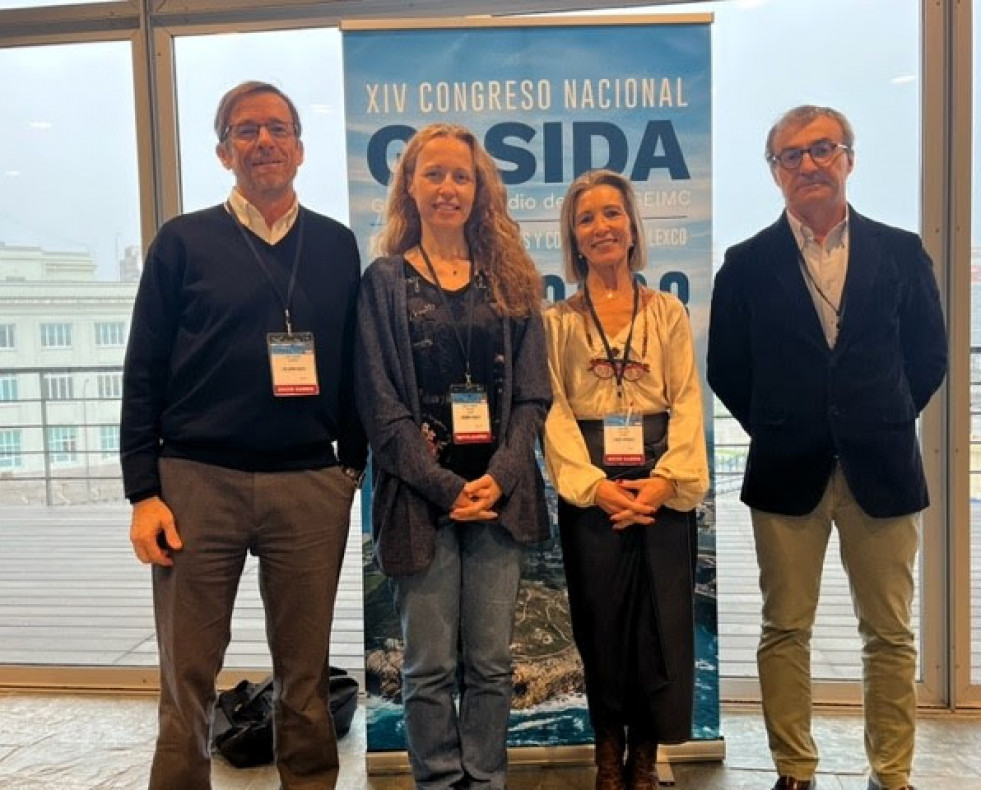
x,y
65,742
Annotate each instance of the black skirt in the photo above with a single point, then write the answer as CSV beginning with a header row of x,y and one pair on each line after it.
x,y
631,603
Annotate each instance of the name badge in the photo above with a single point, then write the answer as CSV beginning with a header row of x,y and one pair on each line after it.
x,y
470,414
293,364
623,440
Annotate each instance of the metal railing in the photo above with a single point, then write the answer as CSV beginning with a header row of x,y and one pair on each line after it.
x,y
59,435
78,466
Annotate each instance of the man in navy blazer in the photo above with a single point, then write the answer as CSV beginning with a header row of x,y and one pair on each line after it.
x,y
826,341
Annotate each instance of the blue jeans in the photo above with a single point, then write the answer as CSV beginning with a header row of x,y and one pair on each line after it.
x,y
457,617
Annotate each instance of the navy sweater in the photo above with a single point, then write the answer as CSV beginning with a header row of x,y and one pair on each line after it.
x,y
197,382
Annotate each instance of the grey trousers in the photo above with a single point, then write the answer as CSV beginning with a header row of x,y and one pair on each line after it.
x,y
296,523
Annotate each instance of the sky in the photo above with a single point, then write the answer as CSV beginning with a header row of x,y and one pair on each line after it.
x,y
68,177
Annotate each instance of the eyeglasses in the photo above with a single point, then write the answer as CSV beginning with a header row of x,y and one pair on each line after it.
x,y
604,369
822,152
249,132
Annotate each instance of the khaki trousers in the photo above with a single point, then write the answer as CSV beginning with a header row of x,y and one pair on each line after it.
x,y
296,523
878,555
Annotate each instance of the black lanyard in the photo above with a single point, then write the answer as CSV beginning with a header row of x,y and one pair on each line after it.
x,y
288,301
621,369
838,309
464,350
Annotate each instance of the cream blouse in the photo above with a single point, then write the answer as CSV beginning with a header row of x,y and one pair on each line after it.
x,y
670,386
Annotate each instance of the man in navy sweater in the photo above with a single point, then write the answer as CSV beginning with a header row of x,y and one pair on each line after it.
x,y
237,387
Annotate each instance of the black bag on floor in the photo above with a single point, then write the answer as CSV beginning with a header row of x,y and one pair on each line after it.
x,y
343,700
242,722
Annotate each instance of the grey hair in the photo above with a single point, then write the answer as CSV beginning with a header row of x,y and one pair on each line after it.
x,y
574,268
803,115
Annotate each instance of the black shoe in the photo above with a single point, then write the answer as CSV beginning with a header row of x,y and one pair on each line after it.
x,y
874,785
789,783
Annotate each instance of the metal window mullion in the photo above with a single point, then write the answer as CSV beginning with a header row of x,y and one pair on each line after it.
x,y
63,24
959,173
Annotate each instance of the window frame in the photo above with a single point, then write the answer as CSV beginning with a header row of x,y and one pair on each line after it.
x,y
68,454
8,337
61,332
110,334
9,388
150,28
58,386
12,456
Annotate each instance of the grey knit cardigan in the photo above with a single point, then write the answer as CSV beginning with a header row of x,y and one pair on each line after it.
x,y
410,489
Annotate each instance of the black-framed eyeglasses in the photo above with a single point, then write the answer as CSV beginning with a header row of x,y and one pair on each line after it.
x,y
249,132
822,152
604,369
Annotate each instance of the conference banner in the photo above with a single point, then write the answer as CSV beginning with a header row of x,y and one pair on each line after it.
x,y
550,98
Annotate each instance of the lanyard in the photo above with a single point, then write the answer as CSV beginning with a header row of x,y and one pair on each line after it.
x,y
464,350
837,309
621,369
288,300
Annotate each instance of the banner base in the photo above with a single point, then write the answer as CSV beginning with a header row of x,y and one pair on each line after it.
x,y
381,763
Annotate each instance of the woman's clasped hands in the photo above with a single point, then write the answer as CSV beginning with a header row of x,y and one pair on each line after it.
x,y
476,500
631,502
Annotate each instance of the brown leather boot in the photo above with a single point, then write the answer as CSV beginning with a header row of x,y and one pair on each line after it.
x,y
608,754
642,766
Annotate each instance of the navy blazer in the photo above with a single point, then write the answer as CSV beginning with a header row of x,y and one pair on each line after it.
x,y
806,405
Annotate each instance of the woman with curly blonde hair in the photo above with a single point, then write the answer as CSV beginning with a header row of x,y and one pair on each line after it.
x,y
493,238
453,389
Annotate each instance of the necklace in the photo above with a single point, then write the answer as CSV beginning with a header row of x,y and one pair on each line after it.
x,y
454,262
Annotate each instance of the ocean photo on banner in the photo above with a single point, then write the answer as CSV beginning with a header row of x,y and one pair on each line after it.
x,y
549,99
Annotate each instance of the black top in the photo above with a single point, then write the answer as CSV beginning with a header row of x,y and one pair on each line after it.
x,y
439,364
197,381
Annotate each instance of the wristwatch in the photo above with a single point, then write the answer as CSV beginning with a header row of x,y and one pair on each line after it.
x,y
356,476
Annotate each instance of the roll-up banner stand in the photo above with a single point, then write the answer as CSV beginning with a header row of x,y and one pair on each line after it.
x,y
549,98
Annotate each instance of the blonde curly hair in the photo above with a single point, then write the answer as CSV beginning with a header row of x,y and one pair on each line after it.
x,y
493,236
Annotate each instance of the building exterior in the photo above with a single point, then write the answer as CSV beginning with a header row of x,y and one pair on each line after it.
x,y
62,339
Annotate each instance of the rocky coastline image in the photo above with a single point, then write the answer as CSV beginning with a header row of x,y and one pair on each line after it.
x,y
546,663
549,702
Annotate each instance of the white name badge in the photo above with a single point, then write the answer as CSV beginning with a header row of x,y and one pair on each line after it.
x,y
623,440
470,414
293,364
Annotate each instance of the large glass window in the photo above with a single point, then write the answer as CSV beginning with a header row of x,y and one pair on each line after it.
x,y
69,203
68,176
69,211
207,66
874,78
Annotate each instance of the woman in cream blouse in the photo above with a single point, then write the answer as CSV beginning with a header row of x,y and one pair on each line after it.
x,y
625,448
